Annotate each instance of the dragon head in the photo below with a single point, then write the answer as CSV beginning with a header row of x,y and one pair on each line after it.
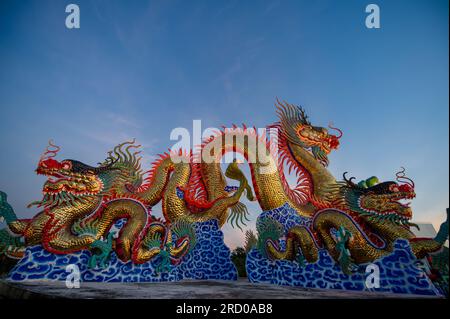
x,y
381,201
296,128
69,177
69,180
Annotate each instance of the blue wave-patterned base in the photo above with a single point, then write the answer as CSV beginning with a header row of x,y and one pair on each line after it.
x,y
210,259
400,271
286,216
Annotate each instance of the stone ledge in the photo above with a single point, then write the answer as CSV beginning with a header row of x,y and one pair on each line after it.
x,y
187,289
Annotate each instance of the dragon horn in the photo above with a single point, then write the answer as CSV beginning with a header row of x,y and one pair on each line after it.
x,y
349,181
48,152
336,129
401,177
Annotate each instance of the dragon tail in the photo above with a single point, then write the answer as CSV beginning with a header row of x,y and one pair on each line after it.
x,y
9,216
11,246
239,212
442,234
423,246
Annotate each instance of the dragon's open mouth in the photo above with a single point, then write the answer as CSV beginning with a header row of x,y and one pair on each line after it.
x,y
57,175
394,207
404,202
403,199
59,180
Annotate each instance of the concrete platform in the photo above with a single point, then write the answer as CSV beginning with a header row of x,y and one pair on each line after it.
x,y
188,289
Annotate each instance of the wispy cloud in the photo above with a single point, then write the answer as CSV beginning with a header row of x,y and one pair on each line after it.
x,y
121,120
109,129
271,6
104,130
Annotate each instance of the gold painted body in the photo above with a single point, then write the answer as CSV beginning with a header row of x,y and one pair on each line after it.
x,y
116,190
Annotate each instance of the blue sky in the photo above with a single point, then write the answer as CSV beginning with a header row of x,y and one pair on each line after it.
x,y
141,68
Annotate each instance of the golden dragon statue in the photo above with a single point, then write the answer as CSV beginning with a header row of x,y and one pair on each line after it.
x,y
79,197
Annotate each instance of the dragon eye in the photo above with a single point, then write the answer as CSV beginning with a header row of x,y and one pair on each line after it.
x,y
66,165
393,188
